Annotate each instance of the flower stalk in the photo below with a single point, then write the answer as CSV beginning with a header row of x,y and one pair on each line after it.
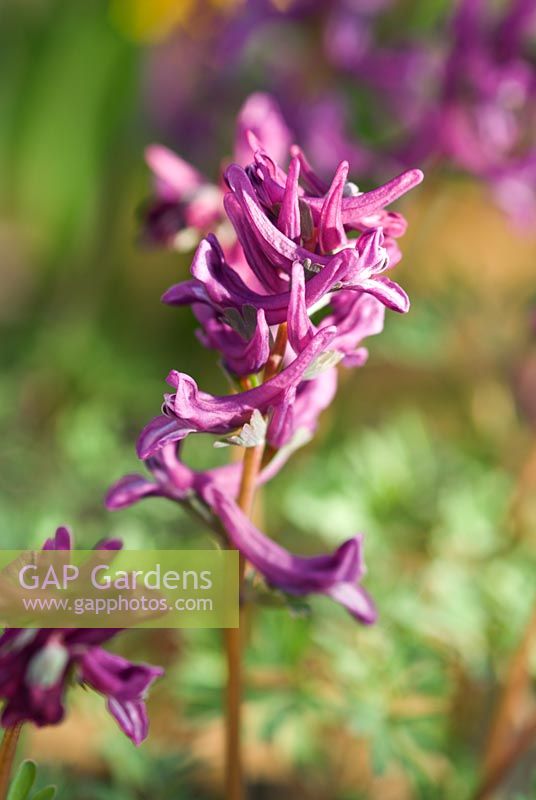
x,y
234,779
251,465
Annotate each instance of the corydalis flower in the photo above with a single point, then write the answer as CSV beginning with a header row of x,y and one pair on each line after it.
x,y
294,232
336,575
188,410
317,228
304,286
175,480
37,665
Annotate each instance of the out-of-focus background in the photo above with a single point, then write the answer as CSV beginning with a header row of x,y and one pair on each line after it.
x,y
429,449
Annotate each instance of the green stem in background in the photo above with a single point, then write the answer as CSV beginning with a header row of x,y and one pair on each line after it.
x,y
8,748
252,463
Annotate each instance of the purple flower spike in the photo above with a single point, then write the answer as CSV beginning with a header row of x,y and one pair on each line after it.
x,y
336,575
191,411
302,246
36,666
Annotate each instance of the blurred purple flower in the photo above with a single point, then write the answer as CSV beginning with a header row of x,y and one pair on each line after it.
x,y
36,666
183,200
260,124
458,93
481,115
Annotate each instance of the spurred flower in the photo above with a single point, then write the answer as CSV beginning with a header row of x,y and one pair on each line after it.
x,y
37,665
190,411
336,575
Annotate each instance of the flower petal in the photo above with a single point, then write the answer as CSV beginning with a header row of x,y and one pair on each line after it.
x,y
128,490
330,228
289,214
131,716
335,575
388,292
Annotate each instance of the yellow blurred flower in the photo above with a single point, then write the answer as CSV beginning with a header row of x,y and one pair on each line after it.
x,y
149,20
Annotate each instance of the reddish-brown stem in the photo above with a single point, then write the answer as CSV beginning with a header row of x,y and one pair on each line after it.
x,y
507,759
234,781
8,748
278,352
252,463
504,721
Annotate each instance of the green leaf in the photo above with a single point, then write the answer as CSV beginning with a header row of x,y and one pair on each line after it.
x,y
48,793
23,781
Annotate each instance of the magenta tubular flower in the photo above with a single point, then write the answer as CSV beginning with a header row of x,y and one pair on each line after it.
x,y
358,268
365,258
355,316
190,411
243,339
336,575
37,665
174,480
